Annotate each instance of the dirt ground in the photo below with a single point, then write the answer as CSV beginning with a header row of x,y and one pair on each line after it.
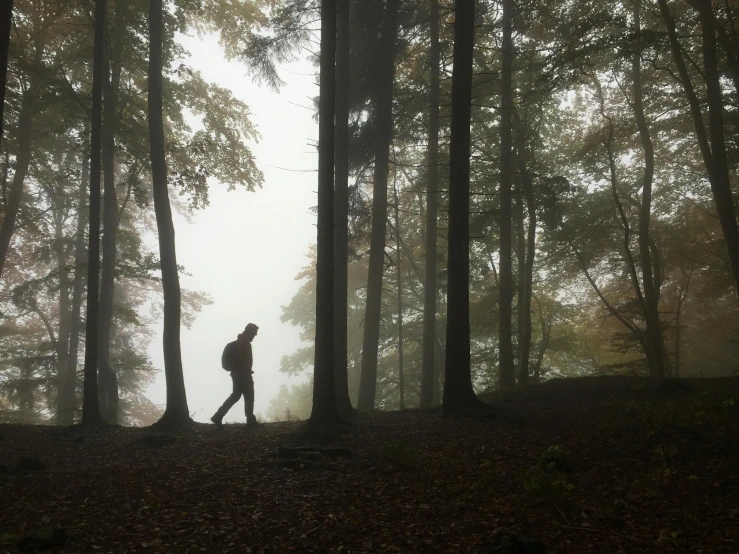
x,y
602,465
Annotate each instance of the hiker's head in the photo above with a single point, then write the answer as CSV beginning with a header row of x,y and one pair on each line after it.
x,y
250,331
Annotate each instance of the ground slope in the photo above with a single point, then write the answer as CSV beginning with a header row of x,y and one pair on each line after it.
x,y
592,465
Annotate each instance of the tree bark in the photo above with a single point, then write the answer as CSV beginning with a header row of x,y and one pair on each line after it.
x,y
90,408
108,379
325,410
459,396
521,269
505,296
66,400
384,133
176,413
432,202
6,22
654,327
65,314
714,155
341,208
401,377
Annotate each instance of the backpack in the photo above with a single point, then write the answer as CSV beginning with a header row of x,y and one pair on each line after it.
x,y
229,359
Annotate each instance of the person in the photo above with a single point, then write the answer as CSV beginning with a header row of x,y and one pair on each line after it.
x,y
243,382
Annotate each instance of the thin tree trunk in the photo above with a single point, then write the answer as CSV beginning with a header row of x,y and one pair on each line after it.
x,y
176,413
341,208
528,276
432,202
325,410
521,269
505,297
6,22
90,407
459,396
401,377
384,130
654,327
682,294
66,397
65,314
715,161
107,376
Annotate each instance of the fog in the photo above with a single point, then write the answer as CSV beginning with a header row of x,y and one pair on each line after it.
x,y
246,248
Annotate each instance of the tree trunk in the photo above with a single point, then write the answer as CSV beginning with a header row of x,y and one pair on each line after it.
x,y
90,408
108,380
505,296
176,413
6,22
401,377
715,161
65,314
528,276
521,270
458,396
325,410
654,328
384,133
66,400
341,208
432,202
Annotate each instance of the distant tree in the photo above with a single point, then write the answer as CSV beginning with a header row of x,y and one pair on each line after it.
x,y
176,413
90,408
432,202
325,410
505,289
383,116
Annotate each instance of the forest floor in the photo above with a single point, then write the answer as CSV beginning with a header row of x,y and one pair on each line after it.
x,y
606,465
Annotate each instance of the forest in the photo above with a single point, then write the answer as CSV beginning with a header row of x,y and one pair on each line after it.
x,y
520,316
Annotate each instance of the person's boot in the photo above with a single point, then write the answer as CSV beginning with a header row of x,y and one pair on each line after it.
x,y
252,423
218,420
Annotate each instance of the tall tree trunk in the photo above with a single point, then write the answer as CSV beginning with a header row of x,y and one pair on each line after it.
x,y
505,296
432,202
6,21
401,377
66,400
715,161
176,413
108,379
521,269
651,299
325,410
459,397
341,208
528,274
23,154
90,408
65,314
384,134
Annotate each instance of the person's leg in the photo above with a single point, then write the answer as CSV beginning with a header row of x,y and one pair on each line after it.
x,y
249,401
230,401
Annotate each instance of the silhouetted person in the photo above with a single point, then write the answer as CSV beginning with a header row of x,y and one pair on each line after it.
x,y
238,359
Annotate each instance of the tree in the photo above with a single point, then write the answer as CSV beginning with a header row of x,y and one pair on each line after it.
x,y
6,22
383,115
458,396
505,291
176,413
432,186
90,409
341,206
325,410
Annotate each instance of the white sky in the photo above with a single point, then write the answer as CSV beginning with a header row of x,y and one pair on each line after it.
x,y
245,249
